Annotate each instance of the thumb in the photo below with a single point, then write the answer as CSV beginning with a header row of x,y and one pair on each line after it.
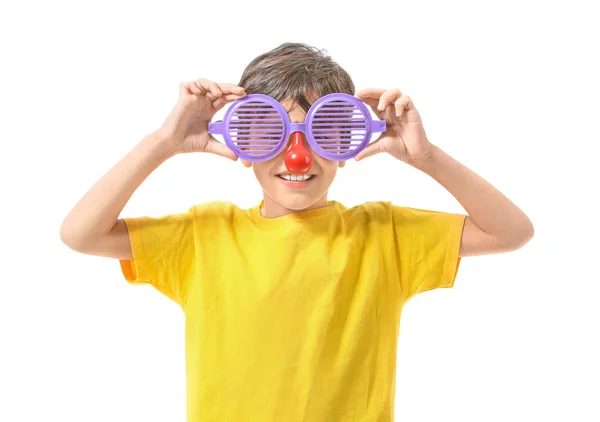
x,y
215,147
220,102
371,149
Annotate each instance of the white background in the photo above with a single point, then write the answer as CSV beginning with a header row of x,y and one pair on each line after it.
x,y
510,89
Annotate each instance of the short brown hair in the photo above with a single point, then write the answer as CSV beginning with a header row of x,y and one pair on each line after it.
x,y
295,70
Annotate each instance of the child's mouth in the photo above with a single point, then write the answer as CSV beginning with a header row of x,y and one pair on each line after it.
x,y
296,177
296,181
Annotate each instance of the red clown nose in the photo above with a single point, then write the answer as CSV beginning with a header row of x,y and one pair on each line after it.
x,y
298,159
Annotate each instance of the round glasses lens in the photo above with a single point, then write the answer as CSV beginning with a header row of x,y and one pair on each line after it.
x,y
339,127
255,128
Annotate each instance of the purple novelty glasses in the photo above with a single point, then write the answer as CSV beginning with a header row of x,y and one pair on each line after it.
x,y
257,127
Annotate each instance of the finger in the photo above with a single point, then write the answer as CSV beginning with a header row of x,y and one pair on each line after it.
x,y
370,93
372,103
231,89
197,89
220,102
388,97
401,103
212,97
216,147
372,149
223,99
209,86
191,87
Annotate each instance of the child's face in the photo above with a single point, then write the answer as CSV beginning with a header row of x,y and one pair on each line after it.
x,y
314,194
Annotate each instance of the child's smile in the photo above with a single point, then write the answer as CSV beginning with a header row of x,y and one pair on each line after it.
x,y
296,180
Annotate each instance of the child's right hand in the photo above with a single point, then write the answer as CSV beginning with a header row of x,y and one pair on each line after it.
x,y
186,127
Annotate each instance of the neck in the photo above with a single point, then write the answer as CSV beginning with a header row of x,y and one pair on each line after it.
x,y
273,209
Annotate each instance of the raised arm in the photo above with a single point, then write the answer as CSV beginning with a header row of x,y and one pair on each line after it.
x,y
93,225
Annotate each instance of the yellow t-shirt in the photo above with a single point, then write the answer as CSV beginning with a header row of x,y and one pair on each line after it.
x,y
294,318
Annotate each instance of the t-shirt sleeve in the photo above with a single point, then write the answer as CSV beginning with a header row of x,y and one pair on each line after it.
x,y
428,243
163,254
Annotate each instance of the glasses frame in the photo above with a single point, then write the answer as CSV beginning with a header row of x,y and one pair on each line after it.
x,y
372,126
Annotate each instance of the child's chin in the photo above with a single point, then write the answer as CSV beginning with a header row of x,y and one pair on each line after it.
x,y
297,200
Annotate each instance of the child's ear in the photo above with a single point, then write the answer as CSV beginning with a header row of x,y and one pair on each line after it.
x,y
341,164
246,163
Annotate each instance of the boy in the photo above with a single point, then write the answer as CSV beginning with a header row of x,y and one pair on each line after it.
x,y
292,307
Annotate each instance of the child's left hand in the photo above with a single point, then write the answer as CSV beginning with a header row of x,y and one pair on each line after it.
x,y
405,136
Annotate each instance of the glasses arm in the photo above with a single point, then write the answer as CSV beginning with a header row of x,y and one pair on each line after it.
x,y
378,126
216,128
